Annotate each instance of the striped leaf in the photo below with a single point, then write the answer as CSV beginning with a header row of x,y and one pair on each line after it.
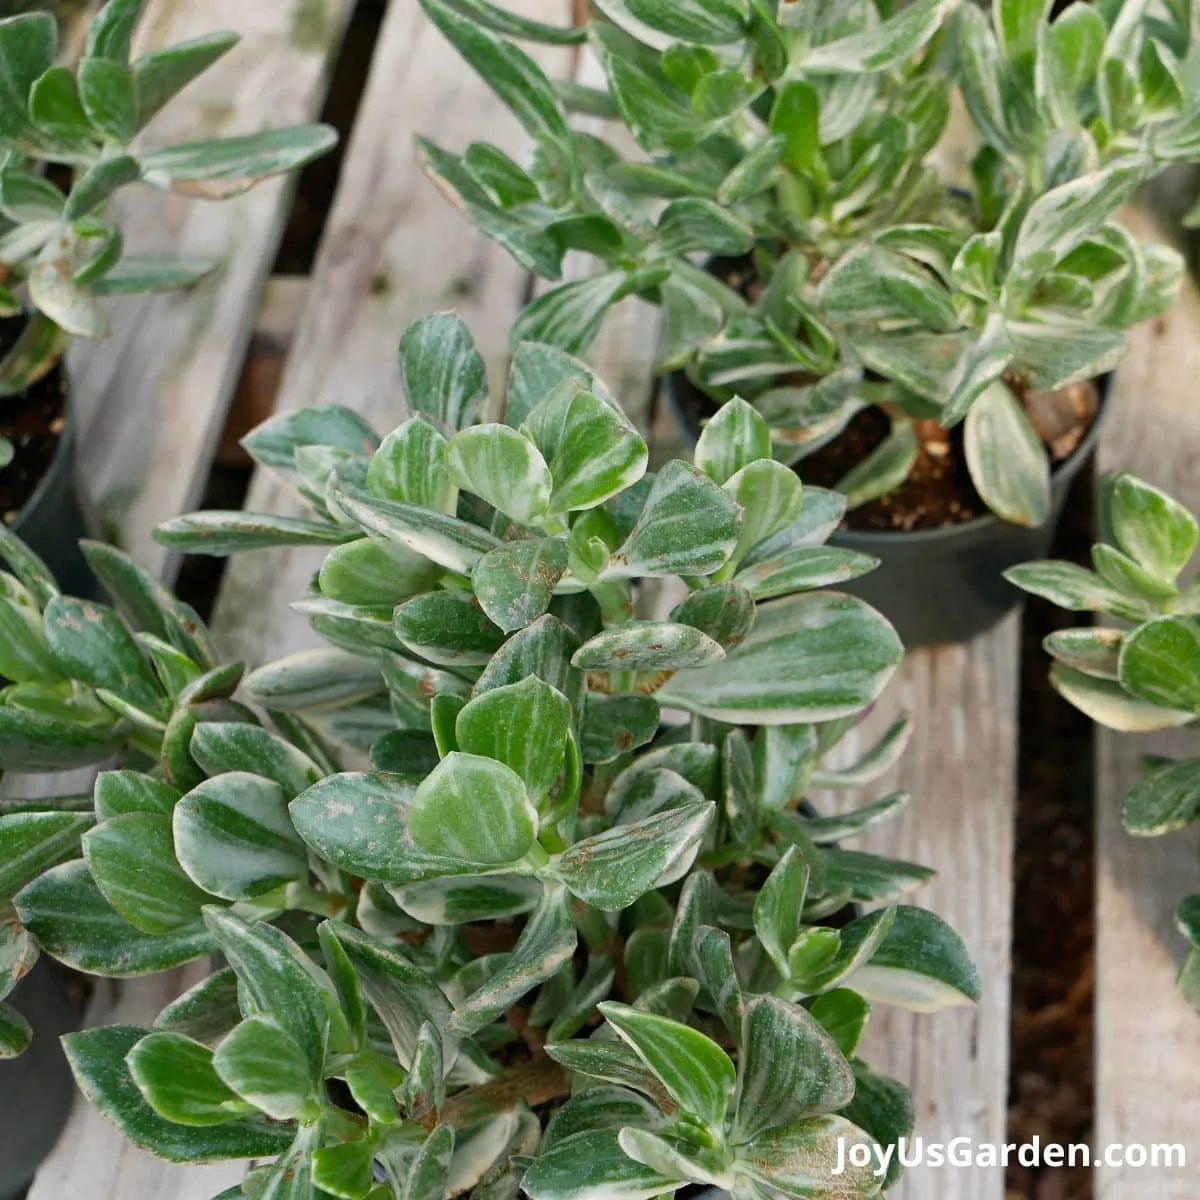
x,y
812,657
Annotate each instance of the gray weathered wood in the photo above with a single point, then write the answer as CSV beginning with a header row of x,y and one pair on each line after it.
x,y
393,251
151,401
960,769
1147,1038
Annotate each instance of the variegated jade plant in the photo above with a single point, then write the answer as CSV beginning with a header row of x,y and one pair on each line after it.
x,y
59,255
544,940
800,139
1141,676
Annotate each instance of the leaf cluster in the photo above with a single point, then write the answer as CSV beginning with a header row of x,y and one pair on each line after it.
x,y
487,918
795,147
1143,674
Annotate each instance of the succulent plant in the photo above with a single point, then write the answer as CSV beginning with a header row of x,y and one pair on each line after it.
x,y
1141,675
489,920
69,141
799,140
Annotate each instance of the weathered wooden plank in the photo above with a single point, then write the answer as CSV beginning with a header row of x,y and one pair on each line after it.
x,y
393,251
960,769
151,401
1147,1037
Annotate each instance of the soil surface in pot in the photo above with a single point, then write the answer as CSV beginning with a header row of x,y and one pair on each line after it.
x,y
938,491
34,422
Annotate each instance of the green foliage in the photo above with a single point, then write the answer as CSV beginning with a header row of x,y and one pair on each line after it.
x,y
1144,675
482,808
61,255
804,140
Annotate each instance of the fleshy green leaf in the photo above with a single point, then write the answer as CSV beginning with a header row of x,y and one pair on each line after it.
x,y
234,838
31,843
473,809
501,467
524,726
612,869
68,914
175,1075
443,373
265,1066
811,657
790,1067
132,859
515,584
97,1057
692,1067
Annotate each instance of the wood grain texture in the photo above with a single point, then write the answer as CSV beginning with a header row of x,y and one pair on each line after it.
x,y
960,769
394,250
152,399
1147,1037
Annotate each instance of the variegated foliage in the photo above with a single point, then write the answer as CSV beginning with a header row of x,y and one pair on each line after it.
x,y
800,137
1144,673
537,938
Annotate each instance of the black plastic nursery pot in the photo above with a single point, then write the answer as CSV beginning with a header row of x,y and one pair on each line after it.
x,y
37,1089
940,586
57,514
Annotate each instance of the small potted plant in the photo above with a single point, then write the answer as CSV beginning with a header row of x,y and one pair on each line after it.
x,y
1141,675
934,347
540,939
68,141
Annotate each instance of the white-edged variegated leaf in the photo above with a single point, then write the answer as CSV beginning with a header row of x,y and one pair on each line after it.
x,y
648,646
778,906
799,1159
688,526
812,657
546,944
592,1166
473,809
461,899
221,534
234,838
1160,663
882,46
65,909
771,498
666,1158
1008,463
1163,801
443,373
692,1067
736,436
524,726
1110,705
804,569
264,1065
921,965
31,843
1074,588
878,759
789,1068
592,451
612,869
443,539
312,679
410,467
515,583
503,468
1093,650
1156,531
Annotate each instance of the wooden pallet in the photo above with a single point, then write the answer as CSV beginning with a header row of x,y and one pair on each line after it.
x,y
156,399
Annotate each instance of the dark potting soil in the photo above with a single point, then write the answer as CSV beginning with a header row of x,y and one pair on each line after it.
x,y
1051,1072
938,491
34,422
